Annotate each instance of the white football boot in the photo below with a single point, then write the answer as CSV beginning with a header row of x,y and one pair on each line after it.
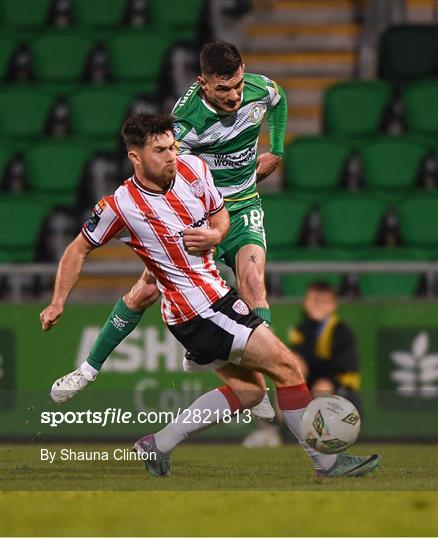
x,y
266,435
67,387
264,410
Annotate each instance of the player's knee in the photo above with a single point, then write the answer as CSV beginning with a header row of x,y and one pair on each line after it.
x,y
141,296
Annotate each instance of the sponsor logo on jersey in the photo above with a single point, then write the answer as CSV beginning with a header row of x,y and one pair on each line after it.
x,y
256,114
235,160
240,307
100,207
187,94
92,222
175,238
94,219
197,188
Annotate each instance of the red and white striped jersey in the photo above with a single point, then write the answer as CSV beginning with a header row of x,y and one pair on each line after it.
x,y
152,224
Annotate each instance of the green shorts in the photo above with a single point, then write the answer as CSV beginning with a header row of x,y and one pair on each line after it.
x,y
246,227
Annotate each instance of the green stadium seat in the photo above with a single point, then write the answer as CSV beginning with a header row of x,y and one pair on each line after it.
x,y
137,56
98,112
421,109
60,56
392,163
7,47
355,108
21,220
24,15
180,21
23,112
408,53
351,220
418,218
99,14
283,220
315,164
393,284
59,181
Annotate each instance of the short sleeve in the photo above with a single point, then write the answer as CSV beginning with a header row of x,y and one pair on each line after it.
x,y
103,224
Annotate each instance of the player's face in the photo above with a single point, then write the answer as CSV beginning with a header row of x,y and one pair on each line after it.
x,y
157,160
319,305
224,94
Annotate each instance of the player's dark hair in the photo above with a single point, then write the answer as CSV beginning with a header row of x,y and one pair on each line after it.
x,y
220,58
322,287
138,128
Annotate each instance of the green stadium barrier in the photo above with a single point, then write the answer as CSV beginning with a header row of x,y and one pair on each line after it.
x,y
398,350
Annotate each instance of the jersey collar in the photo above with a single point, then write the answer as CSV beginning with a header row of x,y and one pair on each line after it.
x,y
149,191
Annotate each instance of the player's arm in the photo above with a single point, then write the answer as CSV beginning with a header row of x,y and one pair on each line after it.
x,y
277,122
69,269
205,239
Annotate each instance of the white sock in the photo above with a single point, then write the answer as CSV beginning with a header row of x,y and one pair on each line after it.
x,y
293,421
89,371
292,401
175,432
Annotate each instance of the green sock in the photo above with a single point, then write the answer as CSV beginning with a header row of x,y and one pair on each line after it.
x,y
119,324
265,314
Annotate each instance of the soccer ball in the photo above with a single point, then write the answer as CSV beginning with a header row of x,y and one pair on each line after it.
x,y
330,424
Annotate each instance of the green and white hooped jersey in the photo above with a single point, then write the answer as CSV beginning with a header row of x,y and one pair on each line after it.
x,y
226,142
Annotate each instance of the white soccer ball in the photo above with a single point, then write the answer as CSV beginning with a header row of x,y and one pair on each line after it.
x,y
330,424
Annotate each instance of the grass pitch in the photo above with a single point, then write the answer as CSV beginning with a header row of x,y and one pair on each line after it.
x,y
218,490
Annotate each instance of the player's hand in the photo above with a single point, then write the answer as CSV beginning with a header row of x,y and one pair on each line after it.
x,y
202,240
50,316
266,164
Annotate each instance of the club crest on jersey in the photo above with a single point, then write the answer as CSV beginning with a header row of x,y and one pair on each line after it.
x,y
197,188
256,114
240,307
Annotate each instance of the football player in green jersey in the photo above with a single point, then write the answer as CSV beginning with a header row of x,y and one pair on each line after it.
x,y
219,120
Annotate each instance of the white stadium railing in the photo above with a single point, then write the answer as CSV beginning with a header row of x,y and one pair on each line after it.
x,y
18,274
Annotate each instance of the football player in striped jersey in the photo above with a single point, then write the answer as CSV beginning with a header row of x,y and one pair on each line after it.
x,y
219,119
172,215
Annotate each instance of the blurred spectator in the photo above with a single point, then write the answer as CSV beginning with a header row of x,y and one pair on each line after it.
x,y
326,345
